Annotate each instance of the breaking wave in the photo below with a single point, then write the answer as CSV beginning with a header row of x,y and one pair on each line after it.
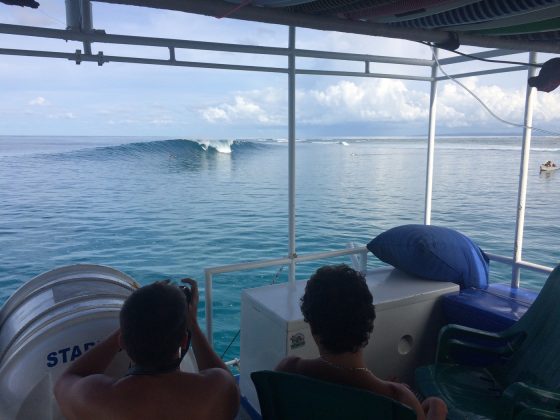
x,y
176,148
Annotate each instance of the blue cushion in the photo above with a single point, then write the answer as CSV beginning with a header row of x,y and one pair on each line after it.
x,y
433,252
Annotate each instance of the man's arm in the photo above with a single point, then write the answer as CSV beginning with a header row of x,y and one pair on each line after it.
x,y
206,358
211,366
70,388
431,409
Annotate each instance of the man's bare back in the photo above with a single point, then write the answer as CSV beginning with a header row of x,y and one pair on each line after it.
x,y
84,392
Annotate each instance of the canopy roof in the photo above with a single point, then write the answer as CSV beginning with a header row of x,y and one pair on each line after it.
x,y
525,25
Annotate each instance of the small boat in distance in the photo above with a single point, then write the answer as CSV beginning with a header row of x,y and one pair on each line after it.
x,y
548,166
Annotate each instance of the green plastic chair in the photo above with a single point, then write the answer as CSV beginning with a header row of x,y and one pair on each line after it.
x,y
523,381
285,396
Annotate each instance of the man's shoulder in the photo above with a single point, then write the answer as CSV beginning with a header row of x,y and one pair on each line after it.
x,y
210,391
291,364
214,378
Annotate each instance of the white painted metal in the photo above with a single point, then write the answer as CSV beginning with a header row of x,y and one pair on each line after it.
x,y
87,22
47,323
482,55
73,15
485,72
364,74
431,142
524,167
292,156
208,307
102,37
209,273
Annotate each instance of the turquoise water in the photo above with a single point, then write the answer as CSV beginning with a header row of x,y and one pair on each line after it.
x,y
157,208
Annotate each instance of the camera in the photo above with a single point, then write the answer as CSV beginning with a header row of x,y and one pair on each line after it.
x,y
187,292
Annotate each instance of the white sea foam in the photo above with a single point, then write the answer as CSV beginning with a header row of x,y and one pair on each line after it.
x,y
221,146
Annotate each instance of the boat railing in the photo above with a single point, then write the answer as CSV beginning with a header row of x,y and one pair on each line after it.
x,y
359,255
520,264
360,252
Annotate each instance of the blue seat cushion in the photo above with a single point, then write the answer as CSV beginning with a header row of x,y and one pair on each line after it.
x,y
492,309
433,252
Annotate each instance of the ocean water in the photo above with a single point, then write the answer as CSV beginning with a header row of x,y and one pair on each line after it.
x,y
168,208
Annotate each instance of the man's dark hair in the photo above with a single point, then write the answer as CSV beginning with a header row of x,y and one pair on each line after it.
x,y
153,322
338,306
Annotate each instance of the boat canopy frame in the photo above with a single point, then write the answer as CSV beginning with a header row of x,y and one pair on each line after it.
x,y
80,29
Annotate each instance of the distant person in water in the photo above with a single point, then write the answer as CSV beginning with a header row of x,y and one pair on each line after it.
x,y
156,324
338,306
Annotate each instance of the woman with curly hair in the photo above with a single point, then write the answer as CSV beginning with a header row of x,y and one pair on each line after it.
x,y
338,306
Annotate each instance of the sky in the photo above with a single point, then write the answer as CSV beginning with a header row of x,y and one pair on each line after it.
x,y
58,97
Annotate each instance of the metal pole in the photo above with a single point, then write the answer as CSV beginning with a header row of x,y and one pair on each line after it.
x,y
73,15
208,306
522,192
87,23
292,155
431,142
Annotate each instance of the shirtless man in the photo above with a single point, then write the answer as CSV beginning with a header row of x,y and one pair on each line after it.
x,y
156,322
338,306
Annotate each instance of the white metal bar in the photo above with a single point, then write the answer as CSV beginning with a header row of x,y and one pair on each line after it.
x,y
431,143
86,23
172,61
104,38
522,264
209,272
363,57
524,167
230,268
364,74
484,72
292,156
73,16
100,58
208,305
535,267
484,54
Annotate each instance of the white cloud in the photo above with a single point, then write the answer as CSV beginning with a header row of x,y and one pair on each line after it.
x,y
246,107
383,100
165,120
127,121
215,114
547,107
38,101
366,100
63,116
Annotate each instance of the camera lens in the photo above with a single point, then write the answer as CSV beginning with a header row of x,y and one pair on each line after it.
x,y
187,293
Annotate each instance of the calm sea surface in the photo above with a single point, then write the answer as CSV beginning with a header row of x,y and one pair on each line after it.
x,y
168,208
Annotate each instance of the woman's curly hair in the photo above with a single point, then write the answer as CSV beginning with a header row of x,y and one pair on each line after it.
x,y
338,306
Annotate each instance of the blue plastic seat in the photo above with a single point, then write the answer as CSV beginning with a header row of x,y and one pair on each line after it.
x,y
523,381
285,396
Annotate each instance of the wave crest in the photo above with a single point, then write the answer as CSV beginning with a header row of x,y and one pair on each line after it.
x,y
220,146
